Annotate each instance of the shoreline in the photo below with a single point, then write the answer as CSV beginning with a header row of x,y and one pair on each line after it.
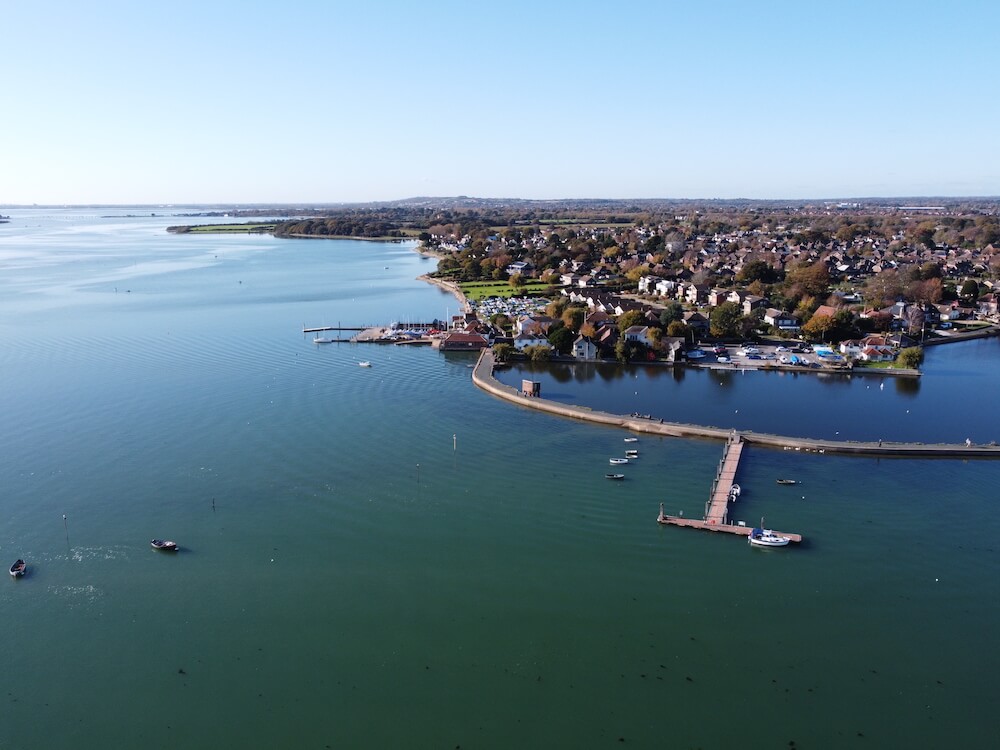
x,y
987,332
448,287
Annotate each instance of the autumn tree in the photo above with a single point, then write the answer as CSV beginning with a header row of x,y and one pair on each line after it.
x,y
556,307
573,317
969,290
724,320
503,352
817,327
538,352
562,339
811,279
630,318
930,291
911,357
673,311
882,288
677,329
757,270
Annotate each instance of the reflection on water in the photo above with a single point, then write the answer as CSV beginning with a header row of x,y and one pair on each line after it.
x,y
857,406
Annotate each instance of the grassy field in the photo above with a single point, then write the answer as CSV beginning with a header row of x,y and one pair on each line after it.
x,y
477,290
229,228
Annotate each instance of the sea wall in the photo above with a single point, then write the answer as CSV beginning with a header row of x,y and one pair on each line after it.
x,y
482,376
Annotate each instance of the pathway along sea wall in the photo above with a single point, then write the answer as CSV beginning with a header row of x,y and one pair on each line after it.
x,y
482,376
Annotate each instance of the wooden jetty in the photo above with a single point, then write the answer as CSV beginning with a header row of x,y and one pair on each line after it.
x,y
725,528
717,508
335,328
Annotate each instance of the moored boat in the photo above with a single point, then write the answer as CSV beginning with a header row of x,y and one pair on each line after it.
x,y
631,440
766,538
322,340
18,568
614,476
617,461
662,518
787,481
631,454
164,544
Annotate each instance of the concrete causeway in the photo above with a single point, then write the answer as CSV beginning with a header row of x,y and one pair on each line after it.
x,y
482,376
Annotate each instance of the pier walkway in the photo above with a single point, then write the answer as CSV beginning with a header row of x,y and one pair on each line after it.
x,y
717,508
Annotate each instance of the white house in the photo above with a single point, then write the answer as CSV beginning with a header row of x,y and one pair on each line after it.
x,y
647,284
523,340
518,267
584,348
639,334
781,320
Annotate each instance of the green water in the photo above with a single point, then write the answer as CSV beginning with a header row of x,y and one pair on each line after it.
x,y
388,557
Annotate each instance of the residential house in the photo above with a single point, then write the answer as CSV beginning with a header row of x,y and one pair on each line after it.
x,y
537,325
753,302
459,340
673,348
781,320
524,340
852,348
666,288
697,323
717,296
585,348
696,294
828,310
638,334
877,354
647,284
522,267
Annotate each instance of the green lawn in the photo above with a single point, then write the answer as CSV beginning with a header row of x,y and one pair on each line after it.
x,y
477,290
231,228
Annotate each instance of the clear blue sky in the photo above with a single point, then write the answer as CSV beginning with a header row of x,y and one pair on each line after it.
x,y
240,102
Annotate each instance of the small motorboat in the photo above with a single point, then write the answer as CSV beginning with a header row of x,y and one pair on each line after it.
x,y
734,491
631,454
616,477
787,481
767,538
322,340
18,568
631,440
164,544
366,363
617,461
662,518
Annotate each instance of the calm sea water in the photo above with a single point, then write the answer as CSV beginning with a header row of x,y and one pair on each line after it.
x,y
388,557
955,399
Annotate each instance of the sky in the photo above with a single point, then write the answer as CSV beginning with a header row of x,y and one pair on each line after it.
x,y
322,102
